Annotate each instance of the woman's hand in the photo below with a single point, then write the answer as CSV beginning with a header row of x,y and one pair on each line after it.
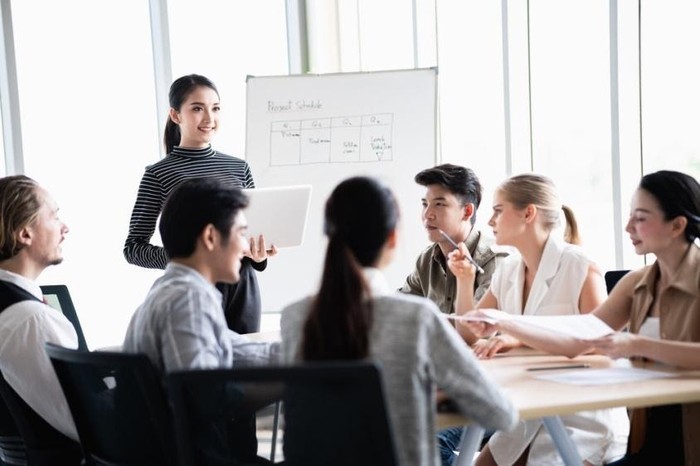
x,y
258,250
486,348
485,322
480,329
617,345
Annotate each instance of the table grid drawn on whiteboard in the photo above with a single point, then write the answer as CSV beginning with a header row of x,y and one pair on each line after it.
x,y
322,129
346,139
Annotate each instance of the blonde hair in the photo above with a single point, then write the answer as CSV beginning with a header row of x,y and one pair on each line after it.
x,y
19,208
540,191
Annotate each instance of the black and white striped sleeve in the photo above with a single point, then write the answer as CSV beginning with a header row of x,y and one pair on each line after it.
x,y
149,201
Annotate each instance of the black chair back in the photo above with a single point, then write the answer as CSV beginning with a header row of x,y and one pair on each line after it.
x,y
118,405
46,441
64,303
45,446
612,277
12,449
334,413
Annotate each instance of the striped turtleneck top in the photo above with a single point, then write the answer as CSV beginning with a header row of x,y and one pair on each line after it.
x,y
242,304
157,183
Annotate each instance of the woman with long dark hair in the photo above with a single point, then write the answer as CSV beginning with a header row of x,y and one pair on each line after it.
x,y
193,120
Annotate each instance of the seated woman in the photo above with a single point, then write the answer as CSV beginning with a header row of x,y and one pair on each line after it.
x,y
549,277
661,305
357,315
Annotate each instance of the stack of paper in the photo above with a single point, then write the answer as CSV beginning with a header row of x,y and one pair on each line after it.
x,y
583,326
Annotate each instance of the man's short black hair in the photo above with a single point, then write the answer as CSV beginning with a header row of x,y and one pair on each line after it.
x,y
460,181
191,206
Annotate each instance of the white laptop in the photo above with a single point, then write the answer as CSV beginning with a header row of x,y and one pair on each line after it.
x,y
278,213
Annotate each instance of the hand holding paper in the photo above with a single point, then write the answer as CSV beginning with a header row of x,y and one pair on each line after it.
x,y
583,327
489,316
617,345
481,322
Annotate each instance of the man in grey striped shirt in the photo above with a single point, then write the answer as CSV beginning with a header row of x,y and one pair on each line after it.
x,y
181,324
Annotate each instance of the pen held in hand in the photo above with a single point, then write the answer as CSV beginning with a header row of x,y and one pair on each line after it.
x,y
554,368
452,242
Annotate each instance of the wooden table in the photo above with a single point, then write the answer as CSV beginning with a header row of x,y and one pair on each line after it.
x,y
547,400
541,399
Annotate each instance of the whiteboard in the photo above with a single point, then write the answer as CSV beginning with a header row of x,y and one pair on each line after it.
x,y
322,129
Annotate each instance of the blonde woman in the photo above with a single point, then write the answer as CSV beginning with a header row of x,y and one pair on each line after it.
x,y
550,276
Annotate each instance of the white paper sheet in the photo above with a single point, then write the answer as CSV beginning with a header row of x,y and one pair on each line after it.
x,y
608,376
489,316
584,326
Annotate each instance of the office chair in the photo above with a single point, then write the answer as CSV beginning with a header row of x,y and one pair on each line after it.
x,y
64,303
118,405
358,431
44,445
12,445
334,412
12,449
612,277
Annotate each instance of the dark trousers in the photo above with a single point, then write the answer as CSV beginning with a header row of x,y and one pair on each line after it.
x,y
241,301
663,441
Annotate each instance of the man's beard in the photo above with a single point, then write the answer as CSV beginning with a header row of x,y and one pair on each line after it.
x,y
56,261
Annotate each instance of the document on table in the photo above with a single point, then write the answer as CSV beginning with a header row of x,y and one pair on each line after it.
x,y
583,326
621,372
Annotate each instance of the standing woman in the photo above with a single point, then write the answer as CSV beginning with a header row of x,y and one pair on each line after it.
x,y
550,277
661,305
357,315
193,120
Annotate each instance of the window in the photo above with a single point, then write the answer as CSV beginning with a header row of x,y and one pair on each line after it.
x,y
89,129
365,35
670,94
571,127
471,109
227,41
385,35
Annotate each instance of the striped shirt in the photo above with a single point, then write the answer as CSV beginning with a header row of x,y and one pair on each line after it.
x,y
180,326
157,183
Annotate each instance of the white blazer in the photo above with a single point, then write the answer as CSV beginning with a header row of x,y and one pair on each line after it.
x,y
557,285
600,436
